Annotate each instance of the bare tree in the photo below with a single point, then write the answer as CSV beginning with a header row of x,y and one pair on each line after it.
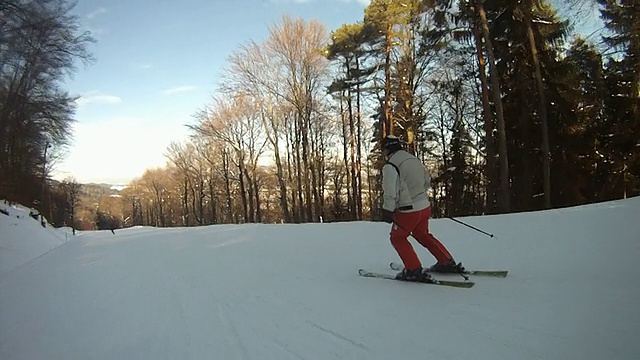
x,y
253,72
72,190
287,70
297,46
181,157
237,123
157,186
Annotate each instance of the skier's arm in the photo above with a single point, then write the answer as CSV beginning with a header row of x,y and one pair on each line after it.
x,y
389,187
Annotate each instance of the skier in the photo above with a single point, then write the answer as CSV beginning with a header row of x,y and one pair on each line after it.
x,y
405,182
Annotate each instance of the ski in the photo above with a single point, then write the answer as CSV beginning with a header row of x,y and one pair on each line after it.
x,y
458,284
494,273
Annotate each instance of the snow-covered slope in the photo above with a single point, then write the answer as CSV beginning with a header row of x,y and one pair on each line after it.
x,y
292,292
22,237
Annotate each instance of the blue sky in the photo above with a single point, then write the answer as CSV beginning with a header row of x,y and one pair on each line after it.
x,y
158,62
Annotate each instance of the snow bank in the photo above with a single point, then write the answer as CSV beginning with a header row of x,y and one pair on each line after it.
x,y
23,238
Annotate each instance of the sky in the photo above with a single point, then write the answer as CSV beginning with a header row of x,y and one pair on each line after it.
x,y
292,291
157,63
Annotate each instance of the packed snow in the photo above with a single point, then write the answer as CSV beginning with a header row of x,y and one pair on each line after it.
x,y
293,292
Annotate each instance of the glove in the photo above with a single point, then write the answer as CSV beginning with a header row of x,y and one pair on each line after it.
x,y
387,216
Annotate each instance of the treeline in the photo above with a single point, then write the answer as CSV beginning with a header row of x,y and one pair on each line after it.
x,y
40,44
508,109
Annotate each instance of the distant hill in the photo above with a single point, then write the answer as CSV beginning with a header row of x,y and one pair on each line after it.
x,y
99,190
106,186
91,196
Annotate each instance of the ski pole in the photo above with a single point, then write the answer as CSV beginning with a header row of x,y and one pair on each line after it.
x,y
467,225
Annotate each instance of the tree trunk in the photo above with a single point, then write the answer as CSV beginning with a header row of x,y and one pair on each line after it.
x,y
269,125
504,200
243,191
345,153
250,192
308,167
352,153
185,202
546,152
283,185
227,184
359,144
387,126
194,206
212,196
256,188
323,171
370,188
294,190
311,184
201,196
160,216
316,166
301,205
490,168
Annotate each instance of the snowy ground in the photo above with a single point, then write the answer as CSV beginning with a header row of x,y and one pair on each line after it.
x,y
23,238
292,291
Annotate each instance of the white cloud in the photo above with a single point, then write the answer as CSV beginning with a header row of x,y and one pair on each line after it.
x,y
96,12
179,89
97,97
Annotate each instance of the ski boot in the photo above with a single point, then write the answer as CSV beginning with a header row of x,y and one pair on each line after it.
x,y
449,267
418,274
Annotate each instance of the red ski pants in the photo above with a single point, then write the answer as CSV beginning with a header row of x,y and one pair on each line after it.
x,y
417,224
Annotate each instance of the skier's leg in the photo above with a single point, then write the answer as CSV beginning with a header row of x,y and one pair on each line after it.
x,y
404,223
426,239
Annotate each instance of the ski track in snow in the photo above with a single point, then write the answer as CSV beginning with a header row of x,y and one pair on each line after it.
x,y
233,340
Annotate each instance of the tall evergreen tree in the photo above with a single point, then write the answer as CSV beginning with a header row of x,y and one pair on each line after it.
x,y
622,20
512,26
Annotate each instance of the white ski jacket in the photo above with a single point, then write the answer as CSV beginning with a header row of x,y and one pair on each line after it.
x,y
405,182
